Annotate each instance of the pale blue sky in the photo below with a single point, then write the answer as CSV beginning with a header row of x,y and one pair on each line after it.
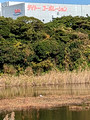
x,y
53,1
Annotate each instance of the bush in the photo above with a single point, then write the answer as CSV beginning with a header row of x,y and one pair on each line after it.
x,y
9,69
44,65
28,71
75,55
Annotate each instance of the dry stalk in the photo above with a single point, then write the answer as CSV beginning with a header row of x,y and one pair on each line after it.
x,y
6,117
12,116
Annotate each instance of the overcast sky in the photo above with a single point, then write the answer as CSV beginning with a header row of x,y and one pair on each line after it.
x,y
53,1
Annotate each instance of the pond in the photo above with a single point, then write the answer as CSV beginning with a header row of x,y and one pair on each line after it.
x,y
62,113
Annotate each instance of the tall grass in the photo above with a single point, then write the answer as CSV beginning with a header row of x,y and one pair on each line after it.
x,y
51,78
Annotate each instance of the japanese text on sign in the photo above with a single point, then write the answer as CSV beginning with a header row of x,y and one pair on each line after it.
x,y
48,8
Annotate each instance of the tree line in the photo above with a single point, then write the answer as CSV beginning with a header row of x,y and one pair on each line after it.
x,y
27,44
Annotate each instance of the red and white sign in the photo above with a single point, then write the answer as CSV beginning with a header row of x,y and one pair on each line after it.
x,y
17,12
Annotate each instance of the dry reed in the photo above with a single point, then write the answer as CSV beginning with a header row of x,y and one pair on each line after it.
x,y
51,78
10,116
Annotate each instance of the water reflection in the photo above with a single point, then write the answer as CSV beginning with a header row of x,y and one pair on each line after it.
x,y
50,114
76,89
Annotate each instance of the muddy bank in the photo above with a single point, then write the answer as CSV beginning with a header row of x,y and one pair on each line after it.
x,y
43,102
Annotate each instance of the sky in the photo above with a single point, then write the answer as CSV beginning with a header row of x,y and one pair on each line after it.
x,y
53,1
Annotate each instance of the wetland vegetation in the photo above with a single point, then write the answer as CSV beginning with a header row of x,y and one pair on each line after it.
x,y
50,60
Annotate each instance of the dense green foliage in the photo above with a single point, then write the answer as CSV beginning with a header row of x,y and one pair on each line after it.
x,y
26,42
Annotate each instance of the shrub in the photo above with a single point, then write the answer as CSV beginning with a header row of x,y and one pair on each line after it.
x,y
9,69
28,71
75,55
44,65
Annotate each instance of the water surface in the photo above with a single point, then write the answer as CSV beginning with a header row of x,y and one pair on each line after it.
x,y
47,114
62,113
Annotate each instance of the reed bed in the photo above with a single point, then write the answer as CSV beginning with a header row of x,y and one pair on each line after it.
x,y
51,78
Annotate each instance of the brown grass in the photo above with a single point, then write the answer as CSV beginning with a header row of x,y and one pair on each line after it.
x,y
51,78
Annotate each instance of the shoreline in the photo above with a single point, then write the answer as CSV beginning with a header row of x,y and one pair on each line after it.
x,y
49,101
45,102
